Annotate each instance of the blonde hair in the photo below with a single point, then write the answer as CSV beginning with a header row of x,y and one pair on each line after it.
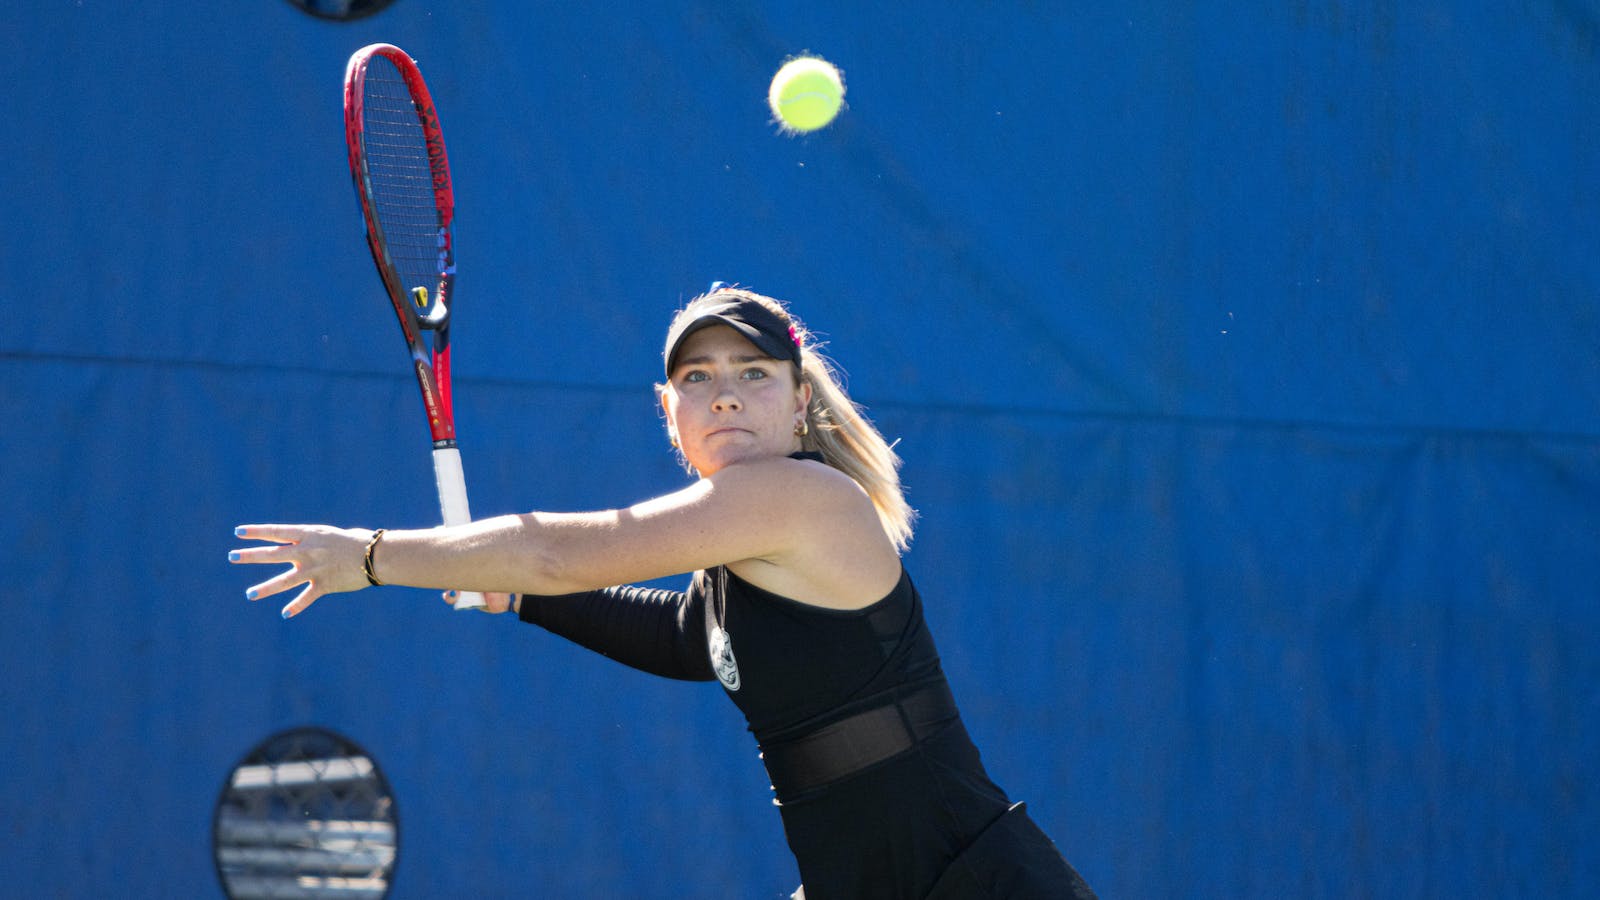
x,y
839,428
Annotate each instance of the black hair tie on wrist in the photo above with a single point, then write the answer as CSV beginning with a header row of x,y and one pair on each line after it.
x,y
366,559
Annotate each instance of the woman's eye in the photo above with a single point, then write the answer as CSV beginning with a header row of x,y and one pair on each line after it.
x,y
755,374
693,377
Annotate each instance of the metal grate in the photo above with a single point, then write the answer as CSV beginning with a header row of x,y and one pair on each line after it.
x,y
341,10
307,814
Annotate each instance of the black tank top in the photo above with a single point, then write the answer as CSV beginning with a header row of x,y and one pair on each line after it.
x,y
791,667
890,830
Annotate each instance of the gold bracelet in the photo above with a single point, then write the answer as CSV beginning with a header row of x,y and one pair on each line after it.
x,y
366,559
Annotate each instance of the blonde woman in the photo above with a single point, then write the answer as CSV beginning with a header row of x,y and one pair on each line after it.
x,y
798,605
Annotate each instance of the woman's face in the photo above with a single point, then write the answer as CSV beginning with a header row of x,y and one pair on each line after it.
x,y
728,402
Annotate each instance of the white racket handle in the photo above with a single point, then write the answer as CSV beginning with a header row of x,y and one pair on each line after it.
x,y
453,505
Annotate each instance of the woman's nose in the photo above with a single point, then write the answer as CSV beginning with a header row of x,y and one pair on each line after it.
x,y
725,400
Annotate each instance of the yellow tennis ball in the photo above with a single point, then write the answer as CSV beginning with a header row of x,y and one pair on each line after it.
x,y
806,94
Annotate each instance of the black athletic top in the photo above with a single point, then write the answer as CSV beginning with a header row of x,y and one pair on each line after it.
x,y
799,664
793,666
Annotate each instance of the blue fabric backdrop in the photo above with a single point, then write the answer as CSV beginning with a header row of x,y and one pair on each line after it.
x,y
1244,362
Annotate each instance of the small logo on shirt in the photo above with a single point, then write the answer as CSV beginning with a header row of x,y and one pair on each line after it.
x,y
722,660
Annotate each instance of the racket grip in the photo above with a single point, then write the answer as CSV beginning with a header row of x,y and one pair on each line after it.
x,y
453,505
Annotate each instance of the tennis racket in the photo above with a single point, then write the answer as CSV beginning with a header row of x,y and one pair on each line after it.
x,y
402,178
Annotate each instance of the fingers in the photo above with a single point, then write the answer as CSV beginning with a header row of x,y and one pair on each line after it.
x,y
303,548
298,605
280,534
278,584
259,555
324,558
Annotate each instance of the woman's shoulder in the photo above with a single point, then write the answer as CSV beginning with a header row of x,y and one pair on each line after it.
x,y
838,554
791,478
804,491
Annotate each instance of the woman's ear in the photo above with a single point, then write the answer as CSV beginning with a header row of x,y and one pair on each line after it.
x,y
662,394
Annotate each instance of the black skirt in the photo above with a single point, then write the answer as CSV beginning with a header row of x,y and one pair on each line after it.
x,y
926,824
1013,859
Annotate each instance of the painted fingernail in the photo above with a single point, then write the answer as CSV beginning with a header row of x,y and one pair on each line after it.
x,y
239,532
250,594
233,556
452,595
285,612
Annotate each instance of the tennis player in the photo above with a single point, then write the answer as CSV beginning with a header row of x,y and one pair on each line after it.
x,y
799,606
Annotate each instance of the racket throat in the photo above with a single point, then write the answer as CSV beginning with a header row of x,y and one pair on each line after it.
x,y
437,318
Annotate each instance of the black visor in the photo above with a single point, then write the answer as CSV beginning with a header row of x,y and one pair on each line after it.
x,y
752,320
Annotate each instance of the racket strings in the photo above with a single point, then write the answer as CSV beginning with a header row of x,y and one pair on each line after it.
x,y
400,178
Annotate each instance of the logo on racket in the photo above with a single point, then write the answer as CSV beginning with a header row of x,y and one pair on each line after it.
x,y
722,660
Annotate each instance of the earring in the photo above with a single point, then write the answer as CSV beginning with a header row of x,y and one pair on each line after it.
x,y
672,438
802,428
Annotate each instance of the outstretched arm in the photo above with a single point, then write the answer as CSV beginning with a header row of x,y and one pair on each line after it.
x,y
795,517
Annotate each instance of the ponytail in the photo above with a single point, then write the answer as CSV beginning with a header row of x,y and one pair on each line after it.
x,y
849,442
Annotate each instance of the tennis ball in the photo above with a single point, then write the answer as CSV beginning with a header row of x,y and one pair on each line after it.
x,y
806,94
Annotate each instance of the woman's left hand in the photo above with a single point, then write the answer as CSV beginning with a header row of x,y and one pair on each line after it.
x,y
493,602
327,560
